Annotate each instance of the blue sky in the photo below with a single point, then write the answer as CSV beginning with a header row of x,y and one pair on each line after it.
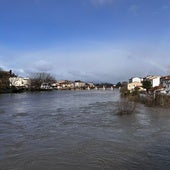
x,y
91,40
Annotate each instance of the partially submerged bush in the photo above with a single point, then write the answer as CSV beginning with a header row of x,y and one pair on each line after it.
x,y
162,100
126,107
147,100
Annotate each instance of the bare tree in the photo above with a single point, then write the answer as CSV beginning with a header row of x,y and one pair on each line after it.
x,y
38,78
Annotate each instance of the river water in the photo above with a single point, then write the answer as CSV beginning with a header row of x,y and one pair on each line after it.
x,y
80,130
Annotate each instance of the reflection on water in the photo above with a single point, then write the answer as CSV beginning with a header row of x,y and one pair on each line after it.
x,y
80,130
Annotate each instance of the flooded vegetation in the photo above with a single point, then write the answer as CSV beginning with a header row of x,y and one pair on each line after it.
x,y
80,130
126,107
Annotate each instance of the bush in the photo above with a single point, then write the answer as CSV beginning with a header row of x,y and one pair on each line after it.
x,y
126,107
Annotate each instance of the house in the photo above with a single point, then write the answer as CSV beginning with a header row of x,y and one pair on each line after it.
x,y
131,86
157,90
135,79
45,86
165,82
79,84
54,85
155,80
90,85
65,84
20,82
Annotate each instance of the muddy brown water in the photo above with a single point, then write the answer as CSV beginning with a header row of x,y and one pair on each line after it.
x,y
79,130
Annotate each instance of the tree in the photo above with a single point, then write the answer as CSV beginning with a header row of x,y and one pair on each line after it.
x,y
4,79
38,78
147,85
118,85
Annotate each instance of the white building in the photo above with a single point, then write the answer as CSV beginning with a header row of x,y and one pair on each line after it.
x,y
135,79
65,84
79,84
131,86
45,86
20,82
155,80
90,85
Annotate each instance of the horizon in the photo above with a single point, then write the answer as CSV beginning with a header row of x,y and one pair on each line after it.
x,y
92,40
32,75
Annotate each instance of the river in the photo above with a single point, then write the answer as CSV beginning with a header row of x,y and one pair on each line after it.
x,y
80,130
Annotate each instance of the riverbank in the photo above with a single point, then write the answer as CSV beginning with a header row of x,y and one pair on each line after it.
x,y
19,90
161,100
151,100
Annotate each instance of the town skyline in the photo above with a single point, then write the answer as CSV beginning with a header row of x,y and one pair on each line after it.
x,y
45,76
93,40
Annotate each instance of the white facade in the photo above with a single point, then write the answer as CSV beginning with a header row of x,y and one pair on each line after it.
x,y
91,85
19,82
79,84
135,79
65,84
45,86
155,80
131,86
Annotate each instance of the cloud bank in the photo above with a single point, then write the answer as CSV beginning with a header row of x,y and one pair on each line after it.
x,y
104,62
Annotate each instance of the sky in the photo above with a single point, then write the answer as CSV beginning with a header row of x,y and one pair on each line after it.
x,y
88,40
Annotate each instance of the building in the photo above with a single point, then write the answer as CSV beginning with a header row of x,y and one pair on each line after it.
x,y
165,82
155,80
131,86
20,82
80,84
135,79
65,85
45,86
91,85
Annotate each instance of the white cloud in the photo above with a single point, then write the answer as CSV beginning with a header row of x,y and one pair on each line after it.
x,y
101,62
42,66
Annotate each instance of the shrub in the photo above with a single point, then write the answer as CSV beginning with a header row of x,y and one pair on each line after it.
x,y
126,107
